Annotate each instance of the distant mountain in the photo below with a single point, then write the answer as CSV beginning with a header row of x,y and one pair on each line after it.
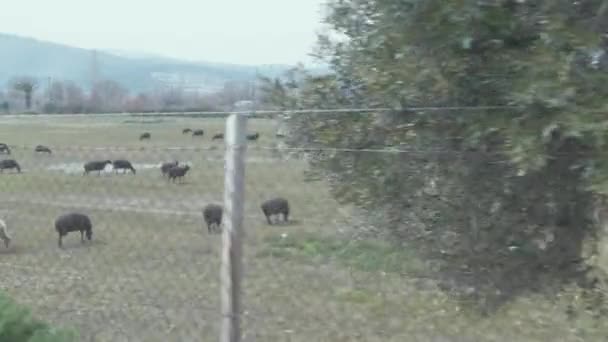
x,y
136,71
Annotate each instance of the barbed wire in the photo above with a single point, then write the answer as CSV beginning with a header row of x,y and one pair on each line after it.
x,y
268,112
309,149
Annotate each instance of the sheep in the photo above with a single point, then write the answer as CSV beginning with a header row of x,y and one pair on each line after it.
x,y
96,165
212,213
73,222
186,131
42,148
254,136
124,165
9,164
198,133
178,172
4,148
218,136
276,206
164,168
4,235
145,135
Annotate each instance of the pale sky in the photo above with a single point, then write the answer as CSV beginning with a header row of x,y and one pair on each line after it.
x,y
231,31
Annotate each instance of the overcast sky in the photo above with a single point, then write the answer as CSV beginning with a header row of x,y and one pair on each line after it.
x,y
232,31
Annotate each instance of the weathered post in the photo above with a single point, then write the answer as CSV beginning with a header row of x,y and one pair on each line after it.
x,y
234,191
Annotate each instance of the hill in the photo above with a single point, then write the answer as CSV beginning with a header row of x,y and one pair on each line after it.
x,y
137,72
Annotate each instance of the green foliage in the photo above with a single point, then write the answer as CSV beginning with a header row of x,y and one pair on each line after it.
x,y
363,255
500,199
17,325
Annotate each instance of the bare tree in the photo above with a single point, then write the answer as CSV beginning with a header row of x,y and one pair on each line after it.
x,y
173,97
107,96
26,85
55,97
74,97
56,93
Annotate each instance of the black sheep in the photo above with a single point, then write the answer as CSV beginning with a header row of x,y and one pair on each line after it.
x,y
124,165
198,133
218,136
254,136
178,172
186,131
212,213
73,222
164,168
42,148
276,206
96,165
145,136
9,164
4,148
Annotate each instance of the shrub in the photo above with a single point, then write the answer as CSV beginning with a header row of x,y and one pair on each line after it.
x,y
18,325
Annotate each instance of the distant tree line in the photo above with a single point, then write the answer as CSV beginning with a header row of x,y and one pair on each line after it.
x,y
26,94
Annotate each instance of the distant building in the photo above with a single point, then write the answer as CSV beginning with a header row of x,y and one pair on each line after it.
x,y
243,105
189,83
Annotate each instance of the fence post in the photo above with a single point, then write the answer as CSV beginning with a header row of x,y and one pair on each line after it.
x,y
234,190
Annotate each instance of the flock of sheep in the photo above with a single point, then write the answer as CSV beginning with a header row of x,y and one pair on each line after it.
x,y
200,133
78,222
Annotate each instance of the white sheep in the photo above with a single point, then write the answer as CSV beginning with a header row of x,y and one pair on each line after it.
x,y
4,235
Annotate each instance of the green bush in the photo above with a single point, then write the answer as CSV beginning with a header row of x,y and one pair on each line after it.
x,y
18,325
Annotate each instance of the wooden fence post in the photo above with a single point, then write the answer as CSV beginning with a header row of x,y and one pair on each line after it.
x,y
234,191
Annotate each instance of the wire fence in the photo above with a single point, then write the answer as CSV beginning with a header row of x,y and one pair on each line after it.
x,y
151,271
329,111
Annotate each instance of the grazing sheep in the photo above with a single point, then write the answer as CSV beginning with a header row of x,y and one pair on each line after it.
x,y
164,168
186,131
276,206
42,148
4,148
9,164
198,133
4,235
96,165
124,165
145,136
177,172
212,213
73,222
254,136
218,136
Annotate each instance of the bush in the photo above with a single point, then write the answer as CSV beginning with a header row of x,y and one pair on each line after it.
x,y
18,325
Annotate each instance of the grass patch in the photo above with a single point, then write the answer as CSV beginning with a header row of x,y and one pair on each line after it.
x,y
151,271
363,255
143,122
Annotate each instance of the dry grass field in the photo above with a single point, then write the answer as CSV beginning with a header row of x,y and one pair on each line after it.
x,y
151,272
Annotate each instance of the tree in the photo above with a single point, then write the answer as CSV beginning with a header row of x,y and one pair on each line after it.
x,y
235,91
4,105
26,85
172,98
55,95
107,96
74,97
499,201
